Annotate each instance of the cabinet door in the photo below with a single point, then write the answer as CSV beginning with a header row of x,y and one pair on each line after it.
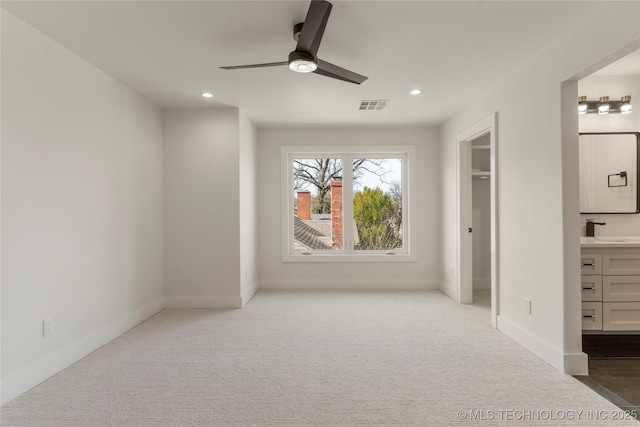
x,y
620,316
621,264
621,289
591,263
591,288
592,316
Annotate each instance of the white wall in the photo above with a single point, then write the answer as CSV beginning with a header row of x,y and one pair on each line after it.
x,y
593,87
538,214
248,208
201,207
424,273
81,207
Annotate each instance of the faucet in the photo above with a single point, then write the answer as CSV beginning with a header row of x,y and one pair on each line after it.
x,y
591,229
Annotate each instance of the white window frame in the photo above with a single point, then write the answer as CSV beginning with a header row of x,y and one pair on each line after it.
x,y
347,154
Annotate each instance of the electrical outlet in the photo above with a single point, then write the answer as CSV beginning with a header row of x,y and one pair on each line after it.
x,y
527,305
47,326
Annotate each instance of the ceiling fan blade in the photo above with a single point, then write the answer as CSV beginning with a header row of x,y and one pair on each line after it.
x,y
330,70
313,27
268,64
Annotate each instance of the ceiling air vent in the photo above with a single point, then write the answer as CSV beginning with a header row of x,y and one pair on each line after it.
x,y
373,105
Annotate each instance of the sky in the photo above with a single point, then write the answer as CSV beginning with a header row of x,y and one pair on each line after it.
x,y
389,172
393,174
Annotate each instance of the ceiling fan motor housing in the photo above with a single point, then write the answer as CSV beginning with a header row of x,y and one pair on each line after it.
x,y
297,29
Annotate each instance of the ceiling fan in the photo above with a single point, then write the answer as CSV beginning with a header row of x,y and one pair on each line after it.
x,y
309,35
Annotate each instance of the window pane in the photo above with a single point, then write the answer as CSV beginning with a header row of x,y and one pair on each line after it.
x,y
317,201
377,204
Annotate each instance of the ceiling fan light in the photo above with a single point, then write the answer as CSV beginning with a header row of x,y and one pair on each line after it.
x,y
302,66
301,62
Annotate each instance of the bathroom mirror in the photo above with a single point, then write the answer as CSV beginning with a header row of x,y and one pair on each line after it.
x,y
609,169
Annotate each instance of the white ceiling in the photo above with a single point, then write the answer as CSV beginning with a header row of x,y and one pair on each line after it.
x,y
627,66
171,51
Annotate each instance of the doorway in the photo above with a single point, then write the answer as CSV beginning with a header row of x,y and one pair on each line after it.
x,y
477,214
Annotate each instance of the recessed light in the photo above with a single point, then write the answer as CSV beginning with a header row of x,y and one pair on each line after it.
x,y
416,92
207,95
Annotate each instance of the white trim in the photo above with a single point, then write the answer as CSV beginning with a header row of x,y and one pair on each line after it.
x,y
349,257
464,210
576,364
571,364
203,302
540,348
288,153
464,217
249,293
450,289
34,374
391,285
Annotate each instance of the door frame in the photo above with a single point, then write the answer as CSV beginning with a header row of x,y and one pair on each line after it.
x,y
464,212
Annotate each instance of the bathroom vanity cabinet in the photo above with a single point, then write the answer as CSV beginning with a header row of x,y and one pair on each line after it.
x,y
610,287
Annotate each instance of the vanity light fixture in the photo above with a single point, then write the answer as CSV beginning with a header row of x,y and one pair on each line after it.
x,y
604,105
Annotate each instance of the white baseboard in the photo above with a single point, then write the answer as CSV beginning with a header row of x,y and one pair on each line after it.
x,y
20,382
249,293
297,284
202,302
571,364
576,364
450,289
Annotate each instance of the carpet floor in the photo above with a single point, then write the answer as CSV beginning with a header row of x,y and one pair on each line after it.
x,y
325,358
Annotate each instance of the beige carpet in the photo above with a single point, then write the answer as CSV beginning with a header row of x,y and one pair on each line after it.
x,y
313,358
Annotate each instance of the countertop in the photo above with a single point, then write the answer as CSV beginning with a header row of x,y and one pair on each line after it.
x,y
610,242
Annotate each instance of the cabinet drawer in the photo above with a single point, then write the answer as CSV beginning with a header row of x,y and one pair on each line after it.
x,y
620,316
591,263
591,288
620,289
592,316
621,264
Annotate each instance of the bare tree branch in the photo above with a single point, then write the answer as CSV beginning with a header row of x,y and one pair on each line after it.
x,y
318,174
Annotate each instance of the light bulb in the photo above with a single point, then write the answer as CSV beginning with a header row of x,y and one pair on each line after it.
x,y
603,108
625,107
582,105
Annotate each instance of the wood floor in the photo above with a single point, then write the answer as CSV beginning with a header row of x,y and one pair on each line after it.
x,y
614,368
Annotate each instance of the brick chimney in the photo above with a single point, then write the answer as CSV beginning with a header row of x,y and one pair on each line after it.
x,y
304,205
336,212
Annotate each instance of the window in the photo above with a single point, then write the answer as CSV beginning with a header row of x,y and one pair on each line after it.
x,y
347,203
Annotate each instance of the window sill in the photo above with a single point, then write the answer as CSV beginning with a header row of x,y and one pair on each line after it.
x,y
319,257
